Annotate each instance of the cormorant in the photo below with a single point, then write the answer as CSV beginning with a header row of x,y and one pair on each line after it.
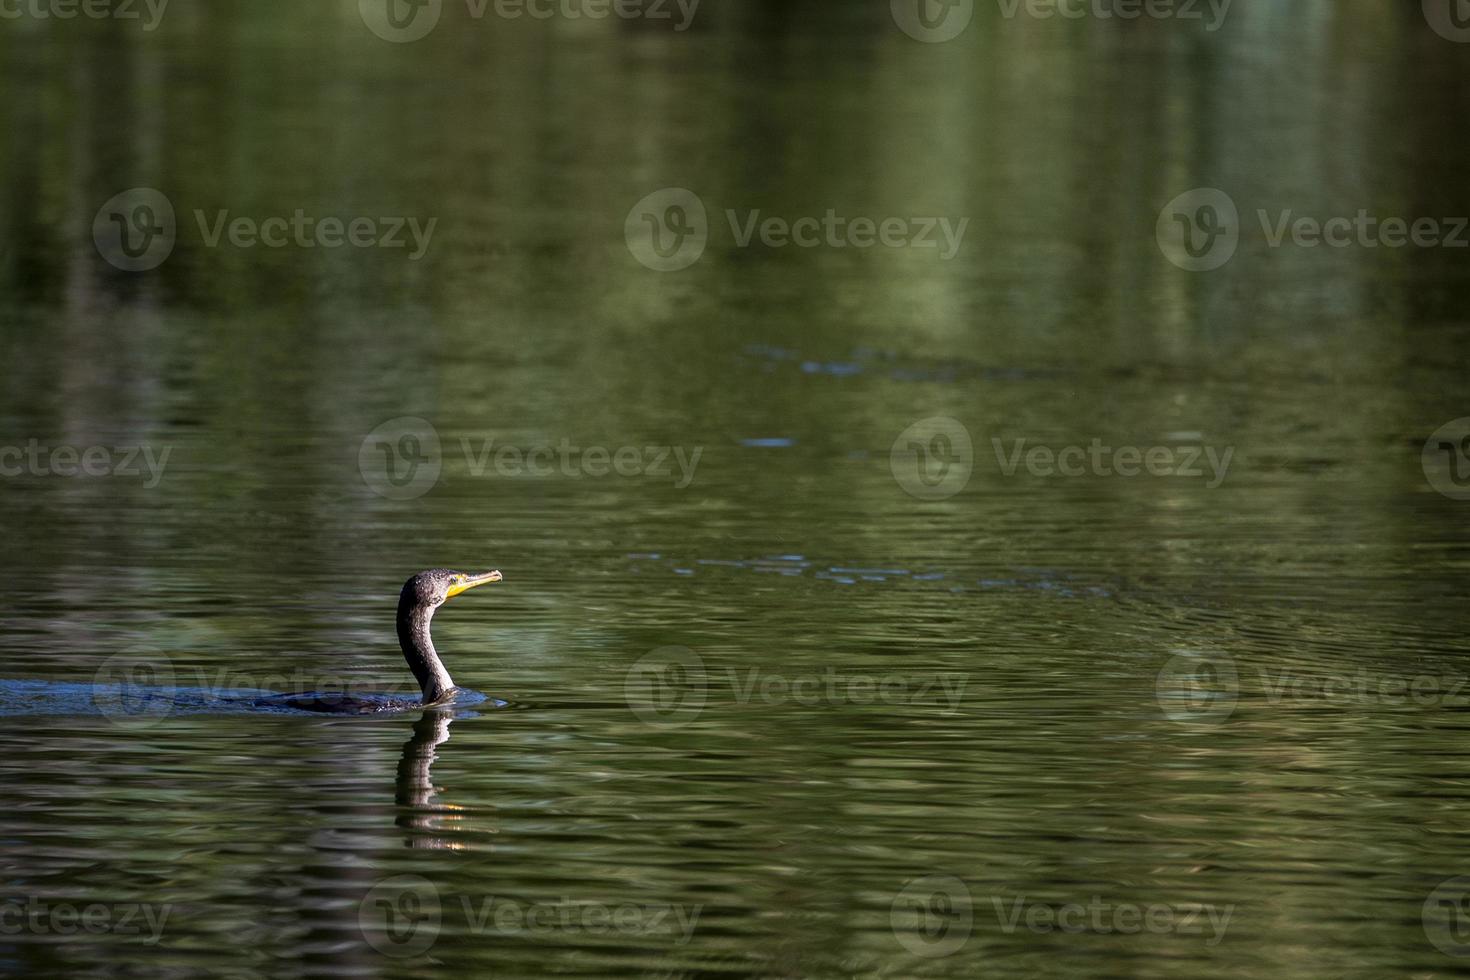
x,y
421,596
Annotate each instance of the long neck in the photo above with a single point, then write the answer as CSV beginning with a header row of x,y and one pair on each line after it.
x,y
418,648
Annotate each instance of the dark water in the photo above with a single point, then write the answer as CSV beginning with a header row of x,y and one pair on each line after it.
x,y
807,688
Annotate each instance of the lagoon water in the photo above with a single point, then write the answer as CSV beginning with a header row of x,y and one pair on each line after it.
x,y
801,679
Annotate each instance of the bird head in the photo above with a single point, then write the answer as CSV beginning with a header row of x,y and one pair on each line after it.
x,y
434,587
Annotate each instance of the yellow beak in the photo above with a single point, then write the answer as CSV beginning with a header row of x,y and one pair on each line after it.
x,y
472,581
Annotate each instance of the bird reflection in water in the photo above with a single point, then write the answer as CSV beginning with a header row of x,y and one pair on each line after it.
x,y
414,788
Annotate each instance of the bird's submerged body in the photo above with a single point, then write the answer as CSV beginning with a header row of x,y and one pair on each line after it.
x,y
337,704
364,704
